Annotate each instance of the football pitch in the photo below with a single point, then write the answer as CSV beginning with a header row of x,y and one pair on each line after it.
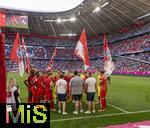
x,y
128,100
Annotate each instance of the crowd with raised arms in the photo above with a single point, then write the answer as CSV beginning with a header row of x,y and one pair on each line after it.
x,y
60,88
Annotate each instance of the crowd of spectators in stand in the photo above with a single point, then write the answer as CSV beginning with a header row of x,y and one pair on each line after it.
x,y
122,64
41,55
133,32
135,44
140,56
130,45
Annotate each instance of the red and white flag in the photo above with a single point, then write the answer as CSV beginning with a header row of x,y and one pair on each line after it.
x,y
108,64
27,60
81,50
16,55
50,64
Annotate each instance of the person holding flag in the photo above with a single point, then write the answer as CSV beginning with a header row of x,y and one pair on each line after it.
x,y
103,90
108,69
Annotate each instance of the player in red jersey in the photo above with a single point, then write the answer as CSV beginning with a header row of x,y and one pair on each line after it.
x,y
35,97
103,92
41,88
29,83
48,91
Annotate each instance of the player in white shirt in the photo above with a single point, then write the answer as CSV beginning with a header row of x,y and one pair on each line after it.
x,y
61,90
90,88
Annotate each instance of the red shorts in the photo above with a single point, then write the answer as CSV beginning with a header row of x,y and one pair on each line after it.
x,y
103,93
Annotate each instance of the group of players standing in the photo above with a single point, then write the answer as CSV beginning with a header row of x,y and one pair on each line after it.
x,y
48,88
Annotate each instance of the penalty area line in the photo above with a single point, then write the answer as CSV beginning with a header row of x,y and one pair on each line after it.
x,y
98,116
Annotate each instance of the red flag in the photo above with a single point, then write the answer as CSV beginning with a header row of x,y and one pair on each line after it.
x,y
27,64
16,54
2,70
81,50
2,19
108,64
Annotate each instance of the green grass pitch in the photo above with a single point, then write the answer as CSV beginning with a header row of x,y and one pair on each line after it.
x,y
128,100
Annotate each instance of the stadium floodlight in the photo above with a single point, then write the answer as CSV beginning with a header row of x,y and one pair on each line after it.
x,y
72,19
97,9
70,34
64,20
58,20
104,4
141,17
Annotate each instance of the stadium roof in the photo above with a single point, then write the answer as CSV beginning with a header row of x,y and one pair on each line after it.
x,y
40,5
96,16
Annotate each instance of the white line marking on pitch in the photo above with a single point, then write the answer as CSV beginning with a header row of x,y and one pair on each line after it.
x,y
97,116
117,108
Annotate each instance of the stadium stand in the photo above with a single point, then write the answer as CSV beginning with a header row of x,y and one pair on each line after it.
x,y
41,49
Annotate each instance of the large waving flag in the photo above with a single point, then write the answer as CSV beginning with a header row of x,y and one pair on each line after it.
x,y
27,60
16,55
108,64
81,50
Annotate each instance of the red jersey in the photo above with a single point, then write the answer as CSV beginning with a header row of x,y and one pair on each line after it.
x,y
67,78
30,82
103,83
47,82
38,81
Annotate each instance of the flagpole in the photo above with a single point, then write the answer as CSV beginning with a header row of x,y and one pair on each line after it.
x,y
23,53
